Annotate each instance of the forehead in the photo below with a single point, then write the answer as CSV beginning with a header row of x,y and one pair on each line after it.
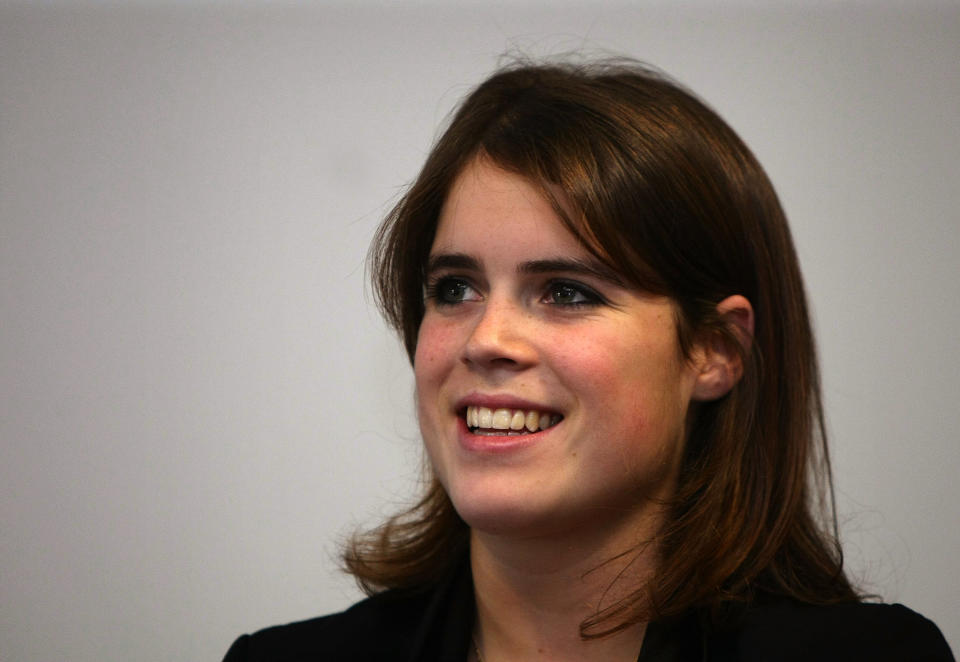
x,y
489,209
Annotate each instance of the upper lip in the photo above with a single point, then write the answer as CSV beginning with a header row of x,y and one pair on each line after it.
x,y
501,401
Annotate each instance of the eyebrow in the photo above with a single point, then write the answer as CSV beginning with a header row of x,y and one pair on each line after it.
x,y
585,267
452,261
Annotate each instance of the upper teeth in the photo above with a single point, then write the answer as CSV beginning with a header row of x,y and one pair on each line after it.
x,y
510,419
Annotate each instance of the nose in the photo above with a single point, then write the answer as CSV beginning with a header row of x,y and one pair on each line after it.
x,y
501,338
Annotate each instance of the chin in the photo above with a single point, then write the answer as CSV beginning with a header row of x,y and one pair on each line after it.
x,y
501,522
500,514
521,516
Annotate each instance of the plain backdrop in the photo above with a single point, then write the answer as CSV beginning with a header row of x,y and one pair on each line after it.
x,y
198,401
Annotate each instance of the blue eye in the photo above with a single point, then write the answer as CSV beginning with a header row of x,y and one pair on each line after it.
x,y
449,291
563,293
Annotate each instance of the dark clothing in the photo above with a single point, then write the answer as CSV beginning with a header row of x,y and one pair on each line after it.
x,y
436,626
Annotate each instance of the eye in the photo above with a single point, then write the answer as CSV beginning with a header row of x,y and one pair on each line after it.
x,y
565,293
449,291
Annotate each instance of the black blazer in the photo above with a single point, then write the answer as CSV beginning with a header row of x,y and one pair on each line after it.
x,y
436,626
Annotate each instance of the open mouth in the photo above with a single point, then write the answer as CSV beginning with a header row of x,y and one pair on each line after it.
x,y
508,422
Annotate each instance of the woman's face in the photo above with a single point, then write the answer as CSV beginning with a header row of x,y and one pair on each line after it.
x,y
551,395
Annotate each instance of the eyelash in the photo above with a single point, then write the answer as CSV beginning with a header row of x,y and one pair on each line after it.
x,y
438,289
590,297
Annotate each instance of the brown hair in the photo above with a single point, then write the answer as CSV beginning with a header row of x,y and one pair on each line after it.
x,y
668,195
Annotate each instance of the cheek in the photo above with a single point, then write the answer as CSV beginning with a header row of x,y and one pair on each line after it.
x,y
433,348
435,357
633,378
595,363
433,344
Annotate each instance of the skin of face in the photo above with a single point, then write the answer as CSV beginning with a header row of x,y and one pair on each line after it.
x,y
520,315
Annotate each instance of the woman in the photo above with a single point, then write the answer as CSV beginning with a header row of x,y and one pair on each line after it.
x,y
618,393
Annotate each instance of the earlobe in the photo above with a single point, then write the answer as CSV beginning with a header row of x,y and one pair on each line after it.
x,y
721,363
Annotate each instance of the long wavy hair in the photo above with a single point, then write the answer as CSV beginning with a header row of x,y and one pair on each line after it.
x,y
666,193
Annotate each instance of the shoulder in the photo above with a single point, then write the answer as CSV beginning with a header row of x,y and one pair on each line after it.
x,y
374,629
791,631
431,623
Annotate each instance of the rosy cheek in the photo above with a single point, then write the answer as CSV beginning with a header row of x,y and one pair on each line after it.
x,y
586,359
434,347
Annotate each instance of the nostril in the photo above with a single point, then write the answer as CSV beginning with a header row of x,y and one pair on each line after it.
x,y
490,360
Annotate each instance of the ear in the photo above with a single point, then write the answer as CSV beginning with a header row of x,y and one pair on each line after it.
x,y
720,366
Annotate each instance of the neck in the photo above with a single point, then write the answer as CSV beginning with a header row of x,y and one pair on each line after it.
x,y
533,593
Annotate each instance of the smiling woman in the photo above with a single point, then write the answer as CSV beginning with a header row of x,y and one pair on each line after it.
x,y
522,330
618,394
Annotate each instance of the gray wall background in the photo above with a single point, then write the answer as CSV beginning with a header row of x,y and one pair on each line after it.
x,y
197,399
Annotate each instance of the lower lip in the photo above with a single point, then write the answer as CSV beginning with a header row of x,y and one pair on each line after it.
x,y
485,443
